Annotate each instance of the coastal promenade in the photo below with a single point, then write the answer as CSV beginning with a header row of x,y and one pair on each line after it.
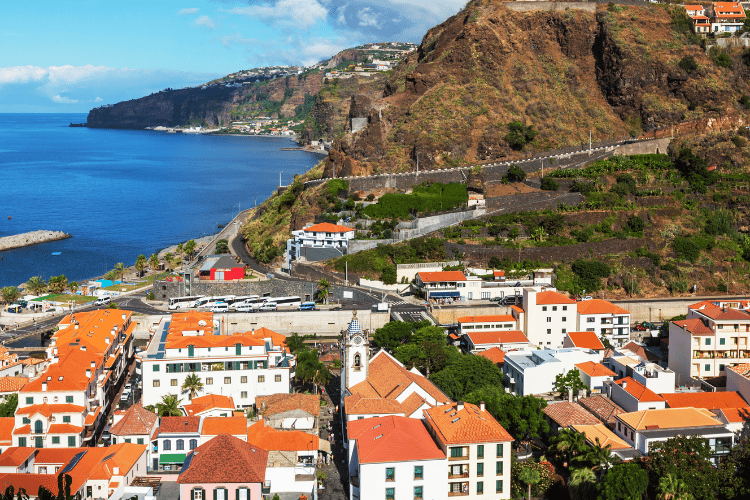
x,y
30,238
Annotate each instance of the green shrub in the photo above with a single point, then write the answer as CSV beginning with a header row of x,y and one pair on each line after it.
x,y
589,273
582,187
719,222
370,197
515,174
685,248
669,268
635,224
739,141
519,135
678,286
388,276
424,198
722,60
655,259
745,101
550,184
688,63
582,235
334,186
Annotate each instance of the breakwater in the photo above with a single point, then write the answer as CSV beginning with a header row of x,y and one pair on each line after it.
x,y
31,238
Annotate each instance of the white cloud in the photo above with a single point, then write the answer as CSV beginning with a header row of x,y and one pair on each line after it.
x,y
187,12
368,18
63,100
21,74
302,14
205,21
98,99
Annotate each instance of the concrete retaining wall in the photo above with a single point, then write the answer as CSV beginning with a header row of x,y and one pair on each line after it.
x,y
644,147
535,6
31,238
328,323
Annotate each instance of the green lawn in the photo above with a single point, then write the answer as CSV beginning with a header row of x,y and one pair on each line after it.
x,y
59,297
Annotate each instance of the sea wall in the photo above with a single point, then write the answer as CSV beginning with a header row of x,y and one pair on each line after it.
x,y
31,238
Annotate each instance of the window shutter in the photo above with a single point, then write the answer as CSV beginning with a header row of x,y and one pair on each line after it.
x,y
192,494
215,495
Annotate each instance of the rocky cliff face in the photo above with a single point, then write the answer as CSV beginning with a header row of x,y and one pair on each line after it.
x,y
614,73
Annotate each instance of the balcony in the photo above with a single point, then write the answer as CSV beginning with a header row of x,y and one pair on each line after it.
x,y
265,489
455,459
458,476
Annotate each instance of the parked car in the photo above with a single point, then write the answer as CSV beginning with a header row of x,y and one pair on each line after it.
x,y
496,299
511,300
307,306
125,396
103,301
106,434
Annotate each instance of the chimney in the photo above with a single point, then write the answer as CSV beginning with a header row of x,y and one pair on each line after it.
x,y
624,385
459,405
88,373
115,471
481,405
76,326
123,317
93,364
106,340
570,394
44,386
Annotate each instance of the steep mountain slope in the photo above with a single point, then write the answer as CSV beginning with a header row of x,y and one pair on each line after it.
x,y
568,73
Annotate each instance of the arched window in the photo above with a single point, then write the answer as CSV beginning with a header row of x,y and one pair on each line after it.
x,y
180,445
38,427
357,361
167,445
193,444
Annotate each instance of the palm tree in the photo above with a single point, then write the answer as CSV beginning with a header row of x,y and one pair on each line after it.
x,y
120,270
598,457
179,249
192,385
153,261
310,369
73,287
169,406
324,289
567,445
529,476
36,285
189,248
672,488
582,484
168,258
57,284
140,264
111,276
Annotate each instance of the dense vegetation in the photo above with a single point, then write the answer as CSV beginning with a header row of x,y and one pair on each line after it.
x,y
423,199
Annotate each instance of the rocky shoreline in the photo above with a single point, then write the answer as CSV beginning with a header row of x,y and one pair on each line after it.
x,y
31,238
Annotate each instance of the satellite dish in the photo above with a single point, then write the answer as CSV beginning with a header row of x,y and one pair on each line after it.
x,y
202,322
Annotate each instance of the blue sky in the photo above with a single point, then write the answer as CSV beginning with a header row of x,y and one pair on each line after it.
x,y
74,55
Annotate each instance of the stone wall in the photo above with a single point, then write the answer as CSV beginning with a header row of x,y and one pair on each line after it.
x,y
535,6
644,147
31,238
532,201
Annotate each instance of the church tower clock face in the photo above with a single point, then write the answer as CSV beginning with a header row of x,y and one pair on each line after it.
x,y
356,340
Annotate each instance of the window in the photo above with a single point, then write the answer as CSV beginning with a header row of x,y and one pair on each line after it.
x,y
498,468
156,368
173,382
457,452
22,442
708,341
167,445
277,378
544,308
66,419
140,440
721,367
390,474
243,379
499,486
565,308
242,494
499,450
71,441
549,332
68,399
38,427
390,493
480,469
227,380
29,401
565,330
261,378
564,318
480,487
194,445
549,319
157,383
197,494
55,439
209,380
220,494
180,444
128,440
722,341
418,472
26,420
243,394
591,319
417,493
480,451
707,367
554,308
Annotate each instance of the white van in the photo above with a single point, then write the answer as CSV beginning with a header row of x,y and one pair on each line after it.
x,y
220,307
103,301
268,306
245,308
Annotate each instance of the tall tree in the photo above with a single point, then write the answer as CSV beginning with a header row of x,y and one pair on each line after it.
x,y
529,476
110,275
310,369
324,290
8,407
687,459
395,334
169,406
153,261
582,484
190,248
568,445
569,381
73,287
10,294
120,270
464,374
169,259
599,457
36,285
521,416
735,471
626,481
671,488
192,385
179,249
57,284
140,264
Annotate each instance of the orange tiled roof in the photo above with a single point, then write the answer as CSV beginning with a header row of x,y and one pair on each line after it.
x,y
268,438
707,400
736,415
726,314
122,455
586,340
703,304
413,403
64,429
31,361
438,276
641,351
358,405
208,402
595,369
137,420
693,7
498,274
743,369
517,308
566,413
601,434
601,407
669,418
497,318
454,425
498,337
327,227
638,390
281,403
179,424
226,459
495,354
213,426
550,297
32,482
6,429
392,439
94,330
49,409
12,384
599,306
67,375
15,456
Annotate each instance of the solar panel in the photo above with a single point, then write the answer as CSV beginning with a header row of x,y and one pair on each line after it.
x,y
73,462
186,464
107,457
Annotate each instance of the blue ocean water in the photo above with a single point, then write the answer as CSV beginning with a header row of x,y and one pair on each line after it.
x,y
121,193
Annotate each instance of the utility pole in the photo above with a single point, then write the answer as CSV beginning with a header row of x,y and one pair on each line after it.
x,y
417,163
589,140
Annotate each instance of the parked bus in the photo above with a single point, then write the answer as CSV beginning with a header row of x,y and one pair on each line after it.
x,y
242,298
211,301
283,302
188,301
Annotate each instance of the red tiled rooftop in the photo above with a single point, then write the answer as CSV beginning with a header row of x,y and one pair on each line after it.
x,y
566,413
550,297
179,424
438,276
12,384
595,369
281,403
599,306
586,340
226,459
392,439
137,420
496,318
497,337
268,438
469,424
327,227
213,426
495,354
707,400
638,390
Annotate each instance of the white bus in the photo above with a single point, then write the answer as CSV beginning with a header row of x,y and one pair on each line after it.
x,y
283,302
211,301
179,302
242,298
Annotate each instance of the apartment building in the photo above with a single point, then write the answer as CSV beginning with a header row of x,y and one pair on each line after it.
x,y
508,340
547,316
632,396
318,242
239,365
708,341
726,17
534,372
605,319
175,438
477,447
489,323
626,363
